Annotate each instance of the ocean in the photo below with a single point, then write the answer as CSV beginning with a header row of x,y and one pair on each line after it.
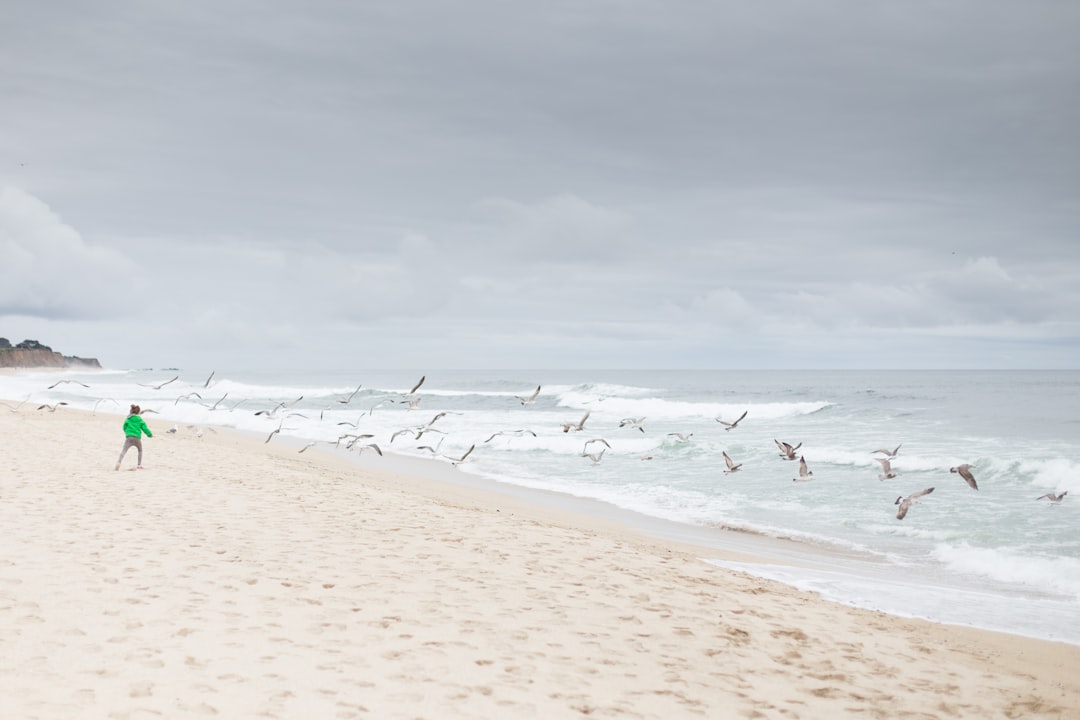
x,y
997,558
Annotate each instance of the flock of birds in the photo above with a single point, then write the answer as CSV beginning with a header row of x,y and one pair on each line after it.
x,y
594,448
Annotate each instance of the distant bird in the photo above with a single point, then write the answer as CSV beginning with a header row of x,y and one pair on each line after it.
x,y
579,425
529,399
61,382
732,425
890,454
51,408
787,451
347,400
273,432
15,408
457,461
519,433
416,386
433,450
370,446
905,503
681,437
173,429
104,400
309,445
886,469
188,396
804,473
600,440
964,471
595,456
633,423
1054,498
207,383
731,466
219,401
158,387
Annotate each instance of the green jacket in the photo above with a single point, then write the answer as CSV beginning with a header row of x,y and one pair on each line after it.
x,y
135,426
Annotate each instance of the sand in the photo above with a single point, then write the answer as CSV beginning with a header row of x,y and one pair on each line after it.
x,y
241,579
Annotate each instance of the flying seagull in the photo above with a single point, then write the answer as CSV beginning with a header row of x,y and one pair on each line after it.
x,y
804,473
158,387
457,461
886,469
890,454
207,383
787,451
604,442
732,425
61,382
633,423
964,471
370,446
579,425
51,408
347,400
681,437
519,433
1054,498
530,399
731,466
416,386
595,456
905,503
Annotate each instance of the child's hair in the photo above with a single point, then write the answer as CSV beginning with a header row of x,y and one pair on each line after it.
x,y
135,409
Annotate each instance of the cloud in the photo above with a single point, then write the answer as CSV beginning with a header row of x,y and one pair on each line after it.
x,y
49,271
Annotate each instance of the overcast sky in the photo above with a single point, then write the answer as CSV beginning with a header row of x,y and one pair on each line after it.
x,y
494,184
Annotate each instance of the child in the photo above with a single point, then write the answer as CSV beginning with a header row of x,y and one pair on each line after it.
x,y
134,427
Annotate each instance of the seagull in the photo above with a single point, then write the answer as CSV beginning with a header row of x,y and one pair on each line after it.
x,y
207,383
104,400
787,451
430,449
173,429
595,456
965,472
886,469
371,446
681,437
890,454
732,425
61,382
158,387
347,400
15,408
905,503
219,401
309,445
529,400
804,473
187,397
1054,498
633,423
273,432
51,408
731,466
416,386
519,433
595,440
579,425
457,461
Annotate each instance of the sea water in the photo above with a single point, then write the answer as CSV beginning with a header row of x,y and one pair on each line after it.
x,y
996,557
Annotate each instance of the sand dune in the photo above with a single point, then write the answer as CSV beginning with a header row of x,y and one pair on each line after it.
x,y
233,578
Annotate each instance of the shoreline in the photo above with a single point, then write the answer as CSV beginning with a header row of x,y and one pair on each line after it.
x,y
241,578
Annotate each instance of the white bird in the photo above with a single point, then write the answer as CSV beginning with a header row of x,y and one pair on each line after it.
x,y
681,437
309,445
529,399
890,454
1054,498
804,472
886,469
207,383
602,441
416,387
370,446
579,425
732,425
595,456
905,503
347,400
519,433
633,423
61,382
51,408
158,387
174,429
188,396
731,466
787,451
964,471
457,461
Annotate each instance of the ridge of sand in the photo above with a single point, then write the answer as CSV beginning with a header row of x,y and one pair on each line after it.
x,y
239,579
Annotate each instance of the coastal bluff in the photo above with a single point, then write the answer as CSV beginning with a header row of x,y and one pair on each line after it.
x,y
32,354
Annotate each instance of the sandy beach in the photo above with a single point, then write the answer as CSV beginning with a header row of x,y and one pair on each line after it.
x,y
241,579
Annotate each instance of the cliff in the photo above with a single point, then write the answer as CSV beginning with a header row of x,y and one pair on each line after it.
x,y
32,354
